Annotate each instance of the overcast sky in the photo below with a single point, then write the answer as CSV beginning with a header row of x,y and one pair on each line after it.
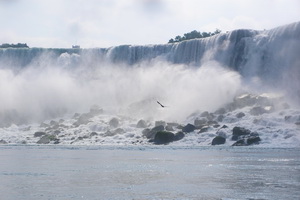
x,y
105,23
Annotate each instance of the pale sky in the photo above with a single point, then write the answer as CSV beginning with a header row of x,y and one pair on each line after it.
x,y
105,23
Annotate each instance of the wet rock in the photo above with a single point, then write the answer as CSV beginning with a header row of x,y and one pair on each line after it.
x,y
163,137
188,128
3,142
220,118
93,134
114,122
76,116
205,114
39,134
240,143
53,123
44,140
178,136
141,124
119,131
253,140
158,123
204,129
151,133
218,140
240,115
169,128
239,131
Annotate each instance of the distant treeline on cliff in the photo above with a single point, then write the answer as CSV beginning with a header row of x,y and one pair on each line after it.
x,y
19,45
193,34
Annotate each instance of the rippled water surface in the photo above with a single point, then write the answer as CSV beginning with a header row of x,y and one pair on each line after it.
x,y
118,172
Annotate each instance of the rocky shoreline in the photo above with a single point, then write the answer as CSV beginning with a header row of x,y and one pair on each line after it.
x,y
248,120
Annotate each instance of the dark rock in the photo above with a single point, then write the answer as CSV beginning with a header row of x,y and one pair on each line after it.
x,y
220,111
3,142
253,140
141,124
163,137
146,131
114,122
179,136
39,134
297,123
151,133
158,123
188,128
218,140
93,134
240,143
239,131
46,139
56,132
257,111
240,115
220,118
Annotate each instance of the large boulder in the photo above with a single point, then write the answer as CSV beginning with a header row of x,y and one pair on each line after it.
x,y
253,140
188,128
46,139
114,123
141,124
3,142
218,140
163,137
237,132
151,133
39,134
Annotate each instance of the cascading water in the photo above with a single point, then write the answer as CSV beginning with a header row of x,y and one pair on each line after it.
x,y
39,84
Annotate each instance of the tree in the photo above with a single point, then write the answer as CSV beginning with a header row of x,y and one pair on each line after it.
x,y
193,34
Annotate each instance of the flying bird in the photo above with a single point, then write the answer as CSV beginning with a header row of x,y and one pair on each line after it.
x,y
160,104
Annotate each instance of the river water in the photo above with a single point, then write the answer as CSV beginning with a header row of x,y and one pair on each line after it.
x,y
164,172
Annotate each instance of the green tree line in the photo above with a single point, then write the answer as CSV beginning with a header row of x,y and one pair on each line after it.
x,y
19,45
194,34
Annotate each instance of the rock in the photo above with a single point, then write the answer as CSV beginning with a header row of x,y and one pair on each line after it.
x,y
204,114
61,121
3,142
257,111
297,123
44,125
240,143
76,116
220,118
163,137
114,122
39,134
95,110
53,123
173,124
158,123
46,139
169,128
245,100
141,124
200,122
151,133
188,128
239,131
119,131
204,129
218,140
240,115
253,140
179,136
93,134
82,120
220,111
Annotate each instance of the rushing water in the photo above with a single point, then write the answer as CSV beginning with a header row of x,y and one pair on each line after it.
x,y
119,172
